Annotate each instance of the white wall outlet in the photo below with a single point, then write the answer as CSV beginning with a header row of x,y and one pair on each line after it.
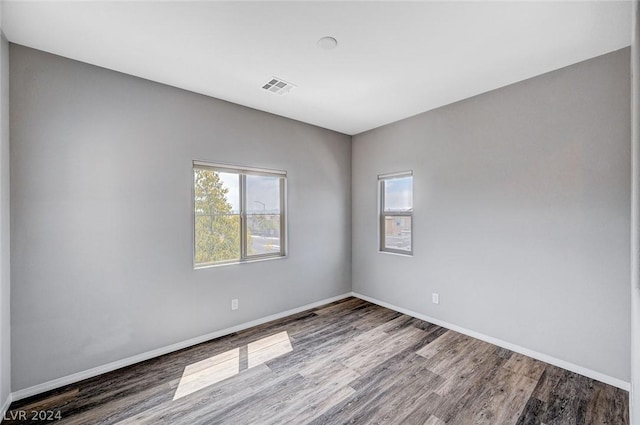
x,y
234,304
435,298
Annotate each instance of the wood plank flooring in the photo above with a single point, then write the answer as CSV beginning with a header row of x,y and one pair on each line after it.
x,y
347,362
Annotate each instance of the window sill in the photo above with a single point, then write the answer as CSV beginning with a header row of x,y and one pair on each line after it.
x,y
400,254
235,263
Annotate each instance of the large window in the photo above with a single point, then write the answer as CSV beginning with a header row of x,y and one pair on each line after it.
x,y
239,213
396,212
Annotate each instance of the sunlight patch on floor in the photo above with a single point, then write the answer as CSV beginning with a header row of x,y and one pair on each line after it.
x,y
268,348
207,372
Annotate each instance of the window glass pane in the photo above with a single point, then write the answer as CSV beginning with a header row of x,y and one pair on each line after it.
x,y
263,195
217,216
397,233
263,215
263,234
398,194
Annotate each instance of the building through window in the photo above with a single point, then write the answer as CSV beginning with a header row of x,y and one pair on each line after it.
x,y
396,212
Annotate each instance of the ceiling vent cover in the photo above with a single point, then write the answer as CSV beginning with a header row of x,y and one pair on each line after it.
x,y
278,86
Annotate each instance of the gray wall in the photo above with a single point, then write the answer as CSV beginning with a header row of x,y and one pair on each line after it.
x,y
5,275
521,215
634,396
101,220
521,200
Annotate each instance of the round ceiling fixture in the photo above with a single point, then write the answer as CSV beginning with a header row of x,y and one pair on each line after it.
x,y
328,43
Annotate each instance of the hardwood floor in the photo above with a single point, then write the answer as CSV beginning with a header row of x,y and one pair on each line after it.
x,y
347,362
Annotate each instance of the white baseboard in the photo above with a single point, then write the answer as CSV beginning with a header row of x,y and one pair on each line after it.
x,y
5,406
109,367
504,344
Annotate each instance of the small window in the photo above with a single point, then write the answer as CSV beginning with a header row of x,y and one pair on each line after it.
x,y
396,212
239,214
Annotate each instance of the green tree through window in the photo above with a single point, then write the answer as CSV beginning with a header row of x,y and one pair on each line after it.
x,y
217,229
238,213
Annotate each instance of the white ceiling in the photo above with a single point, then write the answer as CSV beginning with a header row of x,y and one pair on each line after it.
x,y
393,60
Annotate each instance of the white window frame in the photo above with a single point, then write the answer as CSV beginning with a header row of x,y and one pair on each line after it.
x,y
243,172
382,178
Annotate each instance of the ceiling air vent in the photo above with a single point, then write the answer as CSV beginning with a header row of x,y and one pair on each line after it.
x,y
278,86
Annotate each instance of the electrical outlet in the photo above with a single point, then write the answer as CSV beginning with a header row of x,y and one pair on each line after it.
x,y
435,298
234,304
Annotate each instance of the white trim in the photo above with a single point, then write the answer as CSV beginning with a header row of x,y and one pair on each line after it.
x,y
504,344
109,367
6,405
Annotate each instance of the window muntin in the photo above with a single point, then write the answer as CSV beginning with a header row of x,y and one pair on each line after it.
x,y
396,213
238,214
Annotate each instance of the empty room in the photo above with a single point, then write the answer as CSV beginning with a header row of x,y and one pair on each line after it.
x,y
366,212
